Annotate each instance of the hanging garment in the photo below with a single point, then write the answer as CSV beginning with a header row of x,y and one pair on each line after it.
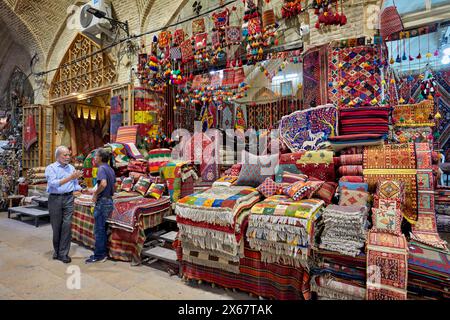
x,y
30,133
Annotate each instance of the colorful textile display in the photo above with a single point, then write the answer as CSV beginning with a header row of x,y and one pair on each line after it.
x,y
126,210
387,189
350,170
387,266
138,166
142,185
123,245
270,280
345,229
352,140
353,186
326,192
414,115
315,77
116,116
126,134
353,198
308,129
351,159
173,174
29,133
428,272
353,76
218,205
425,229
391,156
395,165
133,151
282,229
366,120
157,158
387,221
353,179
329,287
268,188
414,135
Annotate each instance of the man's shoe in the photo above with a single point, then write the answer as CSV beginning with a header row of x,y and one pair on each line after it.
x,y
65,259
93,259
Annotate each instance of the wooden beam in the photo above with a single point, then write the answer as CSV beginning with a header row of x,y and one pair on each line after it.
x,y
421,18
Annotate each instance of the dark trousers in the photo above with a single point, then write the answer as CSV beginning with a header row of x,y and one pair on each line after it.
x,y
60,209
102,211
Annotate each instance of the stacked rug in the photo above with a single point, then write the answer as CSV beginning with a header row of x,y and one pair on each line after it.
x,y
338,276
442,208
428,272
345,229
282,229
212,223
367,120
36,175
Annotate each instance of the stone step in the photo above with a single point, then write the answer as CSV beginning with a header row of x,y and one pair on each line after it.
x,y
161,253
172,218
169,236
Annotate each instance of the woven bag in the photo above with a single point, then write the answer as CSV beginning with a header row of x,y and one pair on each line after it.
x,y
390,22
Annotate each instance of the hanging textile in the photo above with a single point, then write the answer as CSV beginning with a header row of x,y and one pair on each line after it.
x,y
227,118
116,116
240,117
29,133
354,78
315,77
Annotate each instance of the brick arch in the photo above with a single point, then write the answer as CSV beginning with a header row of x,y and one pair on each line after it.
x,y
264,94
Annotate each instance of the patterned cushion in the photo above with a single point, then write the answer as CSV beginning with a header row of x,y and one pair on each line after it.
x,y
326,192
353,198
387,221
136,176
387,203
298,190
142,185
155,191
353,186
235,170
127,184
268,187
255,169
157,158
288,177
391,189
279,169
315,186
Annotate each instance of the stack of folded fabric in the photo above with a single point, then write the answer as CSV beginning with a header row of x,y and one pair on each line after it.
x,y
345,229
370,120
282,229
157,158
351,167
358,139
212,224
442,208
428,272
348,275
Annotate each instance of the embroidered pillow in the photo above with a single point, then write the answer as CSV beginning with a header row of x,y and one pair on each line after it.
x,y
255,169
387,221
326,192
298,190
142,185
288,177
353,186
353,198
387,204
268,188
155,190
279,169
235,170
127,184
391,189
315,186
136,176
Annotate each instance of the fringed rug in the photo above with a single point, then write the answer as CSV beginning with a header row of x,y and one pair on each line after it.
x,y
387,266
390,156
425,229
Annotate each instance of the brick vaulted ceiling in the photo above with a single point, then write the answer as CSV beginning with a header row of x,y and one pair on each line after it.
x,y
37,24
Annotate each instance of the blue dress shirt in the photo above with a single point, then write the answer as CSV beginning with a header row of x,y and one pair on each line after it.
x,y
55,172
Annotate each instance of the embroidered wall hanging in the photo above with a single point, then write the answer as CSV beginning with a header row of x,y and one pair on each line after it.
x,y
164,39
414,115
353,76
233,35
221,18
178,36
198,26
315,77
186,51
308,129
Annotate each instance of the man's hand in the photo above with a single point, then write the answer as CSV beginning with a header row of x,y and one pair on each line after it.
x,y
76,193
94,198
76,174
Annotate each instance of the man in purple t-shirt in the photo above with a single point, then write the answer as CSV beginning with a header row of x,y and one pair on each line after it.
x,y
103,204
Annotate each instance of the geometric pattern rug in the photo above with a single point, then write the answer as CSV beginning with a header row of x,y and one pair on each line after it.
x,y
387,266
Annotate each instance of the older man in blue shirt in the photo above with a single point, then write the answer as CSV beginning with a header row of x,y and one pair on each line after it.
x,y
62,182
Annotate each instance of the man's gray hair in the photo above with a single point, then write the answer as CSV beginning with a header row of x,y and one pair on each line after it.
x,y
60,150
104,154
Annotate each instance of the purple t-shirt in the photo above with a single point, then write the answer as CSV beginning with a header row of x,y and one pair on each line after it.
x,y
105,172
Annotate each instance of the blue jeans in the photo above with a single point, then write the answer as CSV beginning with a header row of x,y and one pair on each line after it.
x,y
102,210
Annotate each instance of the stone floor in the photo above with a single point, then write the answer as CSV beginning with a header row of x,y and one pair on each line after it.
x,y
27,271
